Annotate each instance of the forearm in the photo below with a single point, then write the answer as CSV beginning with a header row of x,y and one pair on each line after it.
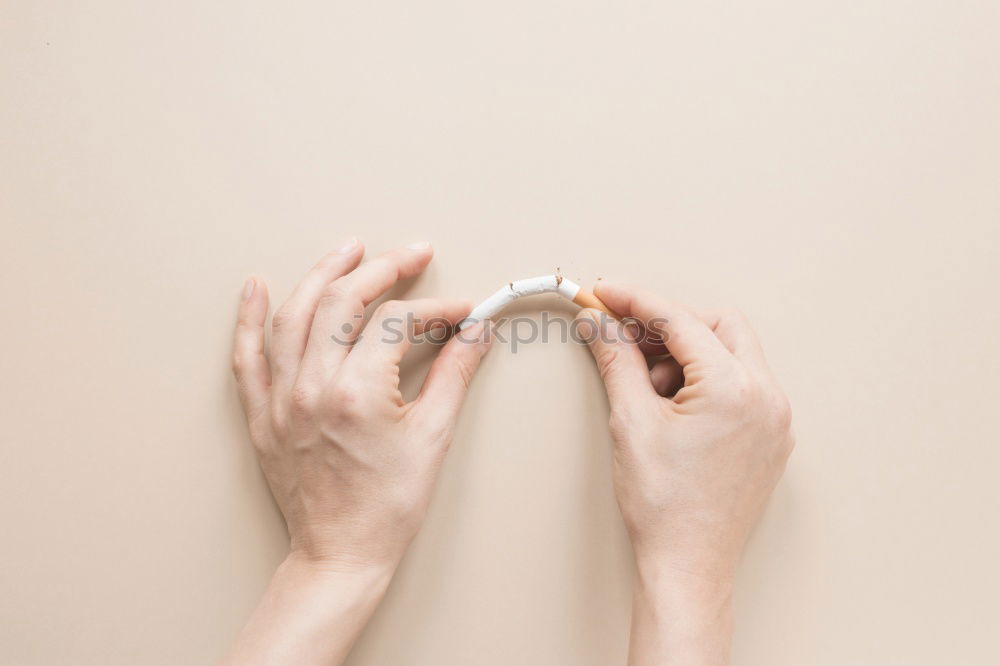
x,y
679,619
310,615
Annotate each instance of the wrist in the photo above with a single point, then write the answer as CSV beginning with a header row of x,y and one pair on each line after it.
x,y
358,579
680,616
311,612
344,551
691,576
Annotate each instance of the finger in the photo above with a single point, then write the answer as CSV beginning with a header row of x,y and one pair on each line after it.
x,y
619,360
341,310
667,377
391,330
291,323
687,337
735,332
253,375
650,342
451,373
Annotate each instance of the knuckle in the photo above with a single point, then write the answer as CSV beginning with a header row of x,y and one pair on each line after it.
x,y
780,411
405,502
464,371
259,437
333,293
617,423
341,389
302,400
393,308
338,292
393,263
622,422
679,332
606,359
733,318
238,365
343,397
282,318
339,288
739,389
436,426
279,420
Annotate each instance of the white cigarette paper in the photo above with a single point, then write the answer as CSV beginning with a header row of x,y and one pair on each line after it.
x,y
545,284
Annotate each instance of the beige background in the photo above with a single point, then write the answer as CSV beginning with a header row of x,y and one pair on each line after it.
x,y
830,167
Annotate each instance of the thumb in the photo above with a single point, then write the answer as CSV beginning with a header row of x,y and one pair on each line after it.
x,y
619,359
452,371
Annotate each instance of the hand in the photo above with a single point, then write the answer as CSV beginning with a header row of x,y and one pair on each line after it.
x,y
701,439
350,464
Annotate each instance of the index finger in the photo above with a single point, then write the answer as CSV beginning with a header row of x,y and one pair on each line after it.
x,y
336,324
686,336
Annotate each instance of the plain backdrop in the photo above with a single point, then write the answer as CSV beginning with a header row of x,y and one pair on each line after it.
x,y
829,167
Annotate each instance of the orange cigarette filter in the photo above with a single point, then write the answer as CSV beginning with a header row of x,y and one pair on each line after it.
x,y
587,299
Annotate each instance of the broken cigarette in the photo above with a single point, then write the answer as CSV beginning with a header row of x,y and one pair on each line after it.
x,y
545,284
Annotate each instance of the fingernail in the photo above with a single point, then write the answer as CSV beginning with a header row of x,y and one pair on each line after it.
x,y
248,288
348,245
419,245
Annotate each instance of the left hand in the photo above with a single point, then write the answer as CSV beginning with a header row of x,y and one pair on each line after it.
x,y
349,462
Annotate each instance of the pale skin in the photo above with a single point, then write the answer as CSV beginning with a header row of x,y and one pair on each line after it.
x,y
700,442
350,464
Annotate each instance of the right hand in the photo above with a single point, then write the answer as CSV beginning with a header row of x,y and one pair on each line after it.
x,y
700,442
